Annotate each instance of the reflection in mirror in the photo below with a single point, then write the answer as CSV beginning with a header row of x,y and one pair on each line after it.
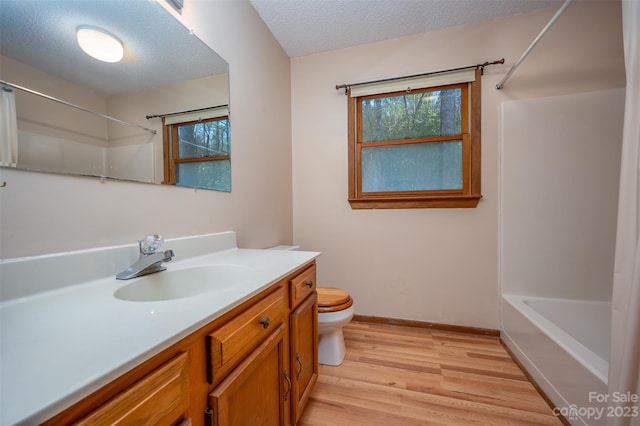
x,y
160,115
197,148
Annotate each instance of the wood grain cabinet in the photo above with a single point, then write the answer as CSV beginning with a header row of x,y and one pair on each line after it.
x,y
254,365
162,397
235,339
253,393
303,332
247,362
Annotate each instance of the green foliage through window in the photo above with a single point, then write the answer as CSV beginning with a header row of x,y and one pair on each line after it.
x,y
415,148
402,147
200,154
204,139
413,115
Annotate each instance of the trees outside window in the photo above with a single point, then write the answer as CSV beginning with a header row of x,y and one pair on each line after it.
x,y
197,154
415,148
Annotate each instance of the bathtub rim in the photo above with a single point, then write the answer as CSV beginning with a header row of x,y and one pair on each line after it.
x,y
585,356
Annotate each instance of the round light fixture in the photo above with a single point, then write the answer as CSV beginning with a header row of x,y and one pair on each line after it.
x,y
100,44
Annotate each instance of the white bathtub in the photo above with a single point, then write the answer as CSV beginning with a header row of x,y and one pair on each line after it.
x,y
564,346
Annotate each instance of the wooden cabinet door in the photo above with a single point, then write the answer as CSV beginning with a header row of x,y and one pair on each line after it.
x,y
162,397
254,392
304,353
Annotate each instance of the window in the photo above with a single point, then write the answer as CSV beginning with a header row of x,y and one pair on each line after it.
x,y
415,143
197,152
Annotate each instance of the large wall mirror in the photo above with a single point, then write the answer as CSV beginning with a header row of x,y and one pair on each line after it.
x,y
159,115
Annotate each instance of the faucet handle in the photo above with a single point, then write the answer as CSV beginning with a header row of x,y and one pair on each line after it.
x,y
150,244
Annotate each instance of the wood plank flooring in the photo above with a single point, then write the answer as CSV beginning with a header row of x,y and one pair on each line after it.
x,y
396,375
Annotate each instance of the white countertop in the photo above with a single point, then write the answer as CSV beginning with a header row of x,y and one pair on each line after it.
x,y
59,346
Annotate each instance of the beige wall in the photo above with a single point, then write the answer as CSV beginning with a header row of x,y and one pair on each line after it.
x,y
42,213
259,80
438,265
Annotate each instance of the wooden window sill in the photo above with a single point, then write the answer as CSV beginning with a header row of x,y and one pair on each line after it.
x,y
444,201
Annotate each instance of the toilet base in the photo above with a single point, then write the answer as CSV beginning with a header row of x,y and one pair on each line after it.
x,y
331,348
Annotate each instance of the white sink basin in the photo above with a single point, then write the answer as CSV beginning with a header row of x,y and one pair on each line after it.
x,y
181,283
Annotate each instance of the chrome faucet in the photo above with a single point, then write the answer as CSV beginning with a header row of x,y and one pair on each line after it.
x,y
150,259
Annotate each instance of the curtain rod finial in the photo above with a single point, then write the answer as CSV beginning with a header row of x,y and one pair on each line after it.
x,y
343,86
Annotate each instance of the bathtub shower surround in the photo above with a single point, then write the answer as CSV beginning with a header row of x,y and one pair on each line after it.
x,y
559,196
554,348
586,321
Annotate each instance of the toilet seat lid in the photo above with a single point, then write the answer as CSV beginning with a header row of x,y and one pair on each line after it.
x,y
331,297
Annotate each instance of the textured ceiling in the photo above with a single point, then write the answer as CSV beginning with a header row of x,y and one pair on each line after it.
x,y
158,49
304,27
41,33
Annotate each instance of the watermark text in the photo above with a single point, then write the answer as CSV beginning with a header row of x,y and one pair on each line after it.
x,y
628,407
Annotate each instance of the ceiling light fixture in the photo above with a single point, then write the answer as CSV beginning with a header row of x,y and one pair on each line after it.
x,y
100,44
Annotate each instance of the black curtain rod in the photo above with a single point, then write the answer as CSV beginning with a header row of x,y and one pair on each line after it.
x,y
481,66
185,112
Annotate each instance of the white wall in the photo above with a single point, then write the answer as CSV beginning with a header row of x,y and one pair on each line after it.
x,y
560,181
43,213
438,265
134,162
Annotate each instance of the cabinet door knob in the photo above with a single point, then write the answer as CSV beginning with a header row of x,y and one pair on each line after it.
x,y
265,322
309,283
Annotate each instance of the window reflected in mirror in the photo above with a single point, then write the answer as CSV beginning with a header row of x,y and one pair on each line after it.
x,y
197,153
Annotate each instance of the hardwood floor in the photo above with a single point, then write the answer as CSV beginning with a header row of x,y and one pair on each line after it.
x,y
396,375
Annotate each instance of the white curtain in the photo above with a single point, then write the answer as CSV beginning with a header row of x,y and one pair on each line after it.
x,y
8,128
624,360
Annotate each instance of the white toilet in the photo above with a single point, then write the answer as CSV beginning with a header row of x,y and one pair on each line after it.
x,y
335,310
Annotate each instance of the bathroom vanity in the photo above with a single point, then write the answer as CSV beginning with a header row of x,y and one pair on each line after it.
x,y
245,353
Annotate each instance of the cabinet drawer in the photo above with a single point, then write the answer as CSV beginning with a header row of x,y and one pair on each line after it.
x,y
231,342
303,285
254,393
161,397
